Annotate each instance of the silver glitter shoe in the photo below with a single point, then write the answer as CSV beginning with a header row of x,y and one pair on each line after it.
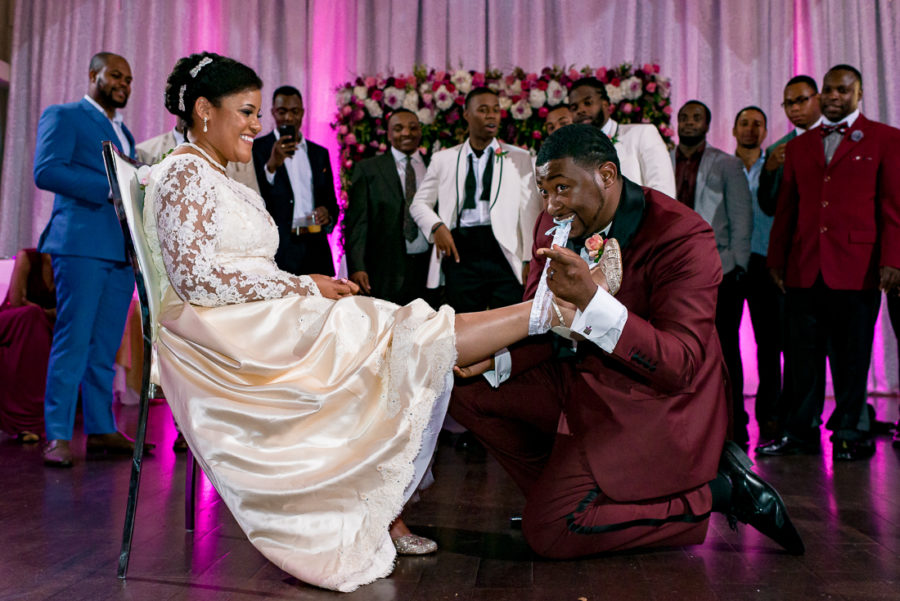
x,y
411,544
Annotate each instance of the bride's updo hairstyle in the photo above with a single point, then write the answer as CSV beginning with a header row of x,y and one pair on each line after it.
x,y
209,75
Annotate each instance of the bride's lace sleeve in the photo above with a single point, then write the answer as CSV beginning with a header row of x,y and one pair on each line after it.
x,y
188,226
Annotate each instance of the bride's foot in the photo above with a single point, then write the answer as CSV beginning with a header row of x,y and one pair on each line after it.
x,y
408,543
608,272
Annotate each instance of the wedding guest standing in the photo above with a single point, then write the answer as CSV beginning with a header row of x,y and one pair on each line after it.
x,y
26,332
641,149
295,179
94,283
478,203
712,183
835,241
557,117
387,254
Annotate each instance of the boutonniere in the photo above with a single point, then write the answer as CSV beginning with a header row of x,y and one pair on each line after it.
x,y
615,138
143,172
500,154
594,246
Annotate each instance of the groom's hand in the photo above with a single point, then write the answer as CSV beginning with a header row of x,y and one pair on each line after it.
x,y
568,276
476,369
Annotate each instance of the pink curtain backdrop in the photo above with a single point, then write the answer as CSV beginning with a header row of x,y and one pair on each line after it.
x,y
728,53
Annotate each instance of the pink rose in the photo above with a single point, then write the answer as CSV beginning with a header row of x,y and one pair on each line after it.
x,y
651,87
477,79
504,113
626,108
542,85
377,95
427,98
656,68
350,140
460,100
370,81
451,88
343,130
536,135
542,112
344,195
667,109
594,243
360,148
647,68
601,74
359,115
382,147
348,164
452,117
616,82
440,75
531,77
574,74
346,110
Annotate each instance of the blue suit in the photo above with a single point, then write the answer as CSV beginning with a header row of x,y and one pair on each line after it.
x,y
94,283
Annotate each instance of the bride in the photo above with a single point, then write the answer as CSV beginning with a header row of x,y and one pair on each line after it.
x,y
313,412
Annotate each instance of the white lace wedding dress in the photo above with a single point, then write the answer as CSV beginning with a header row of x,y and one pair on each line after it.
x,y
314,419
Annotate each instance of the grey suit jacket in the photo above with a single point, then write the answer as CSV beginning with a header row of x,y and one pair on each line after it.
x,y
722,197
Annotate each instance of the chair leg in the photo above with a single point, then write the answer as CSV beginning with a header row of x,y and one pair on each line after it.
x,y
190,490
135,484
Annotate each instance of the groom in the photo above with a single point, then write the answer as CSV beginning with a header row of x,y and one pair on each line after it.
x,y
621,445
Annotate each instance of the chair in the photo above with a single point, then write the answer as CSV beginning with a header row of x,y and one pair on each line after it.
x,y
128,199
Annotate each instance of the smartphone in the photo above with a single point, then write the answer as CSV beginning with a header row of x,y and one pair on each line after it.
x,y
288,131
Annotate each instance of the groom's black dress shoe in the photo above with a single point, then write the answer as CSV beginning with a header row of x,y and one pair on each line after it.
x,y
852,450
755,502
789,446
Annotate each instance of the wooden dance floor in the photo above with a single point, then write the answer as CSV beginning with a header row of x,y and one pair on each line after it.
x,y
60,533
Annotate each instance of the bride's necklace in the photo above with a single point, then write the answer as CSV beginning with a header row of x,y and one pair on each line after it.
x,y
214,162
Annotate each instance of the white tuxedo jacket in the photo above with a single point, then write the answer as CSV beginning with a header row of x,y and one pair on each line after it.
x,y
151,151
643,156
515,202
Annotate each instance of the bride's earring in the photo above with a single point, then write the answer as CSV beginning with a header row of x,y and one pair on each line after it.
x,y
205,128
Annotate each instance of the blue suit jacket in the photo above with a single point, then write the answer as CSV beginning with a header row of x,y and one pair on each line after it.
x,y
68,161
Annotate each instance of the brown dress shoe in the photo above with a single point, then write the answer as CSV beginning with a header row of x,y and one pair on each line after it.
x,y
180,445
58,454
114,443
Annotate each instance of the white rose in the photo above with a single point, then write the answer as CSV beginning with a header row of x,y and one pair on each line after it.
x,y
515,89
632,88
615,93
361,92
443,99
556,93
536,98
463,81
411,102
505,102
394,97
521,110
424,87
373,108
425,115
343,96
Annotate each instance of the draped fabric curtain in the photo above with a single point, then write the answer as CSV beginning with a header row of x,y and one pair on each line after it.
x,y
727,53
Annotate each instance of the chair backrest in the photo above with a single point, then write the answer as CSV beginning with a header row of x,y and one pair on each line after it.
x,y
128,199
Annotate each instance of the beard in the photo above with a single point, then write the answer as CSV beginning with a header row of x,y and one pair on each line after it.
x,y
690,140
111,101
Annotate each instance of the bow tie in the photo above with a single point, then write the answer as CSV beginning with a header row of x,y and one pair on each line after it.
x,y
840,128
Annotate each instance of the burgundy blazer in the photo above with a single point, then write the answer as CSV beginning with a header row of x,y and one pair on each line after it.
x,y
841,220
652,415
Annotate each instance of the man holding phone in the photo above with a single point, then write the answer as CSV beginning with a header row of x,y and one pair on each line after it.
x,y
295,180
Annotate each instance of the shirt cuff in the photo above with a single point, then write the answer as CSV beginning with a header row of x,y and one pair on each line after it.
x,y
270,177
502,369
602,321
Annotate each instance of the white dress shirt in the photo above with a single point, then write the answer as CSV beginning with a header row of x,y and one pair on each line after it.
x,y
800,131
481,214
116,122
420,244
849,120
299,174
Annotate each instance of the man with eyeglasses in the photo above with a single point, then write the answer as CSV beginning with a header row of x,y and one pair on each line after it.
x,y
801,105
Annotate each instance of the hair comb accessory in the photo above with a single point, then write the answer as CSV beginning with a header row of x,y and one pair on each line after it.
x,y
203,62
181,97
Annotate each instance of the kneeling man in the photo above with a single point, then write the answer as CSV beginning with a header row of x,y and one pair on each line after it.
x,y
618,442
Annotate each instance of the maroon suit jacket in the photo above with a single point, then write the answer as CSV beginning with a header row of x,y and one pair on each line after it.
x,y
651,416
841,220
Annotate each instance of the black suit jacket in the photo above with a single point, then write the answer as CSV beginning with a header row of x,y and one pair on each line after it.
x,y
373,225
308,253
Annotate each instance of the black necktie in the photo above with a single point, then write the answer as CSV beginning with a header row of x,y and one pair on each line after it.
x,y
410,229
469,202
486,179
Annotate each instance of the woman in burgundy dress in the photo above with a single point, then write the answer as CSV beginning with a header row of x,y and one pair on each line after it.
x,y
26,331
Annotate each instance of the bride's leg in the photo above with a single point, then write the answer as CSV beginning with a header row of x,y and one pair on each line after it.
x,y
480,335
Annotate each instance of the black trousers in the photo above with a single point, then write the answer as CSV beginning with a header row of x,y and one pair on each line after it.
x,y
482,279
415,276
839,324
766,304
729,308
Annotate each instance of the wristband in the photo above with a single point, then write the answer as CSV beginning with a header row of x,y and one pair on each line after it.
x,y
435,227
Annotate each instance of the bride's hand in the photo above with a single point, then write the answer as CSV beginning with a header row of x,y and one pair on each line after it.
x,y
334,289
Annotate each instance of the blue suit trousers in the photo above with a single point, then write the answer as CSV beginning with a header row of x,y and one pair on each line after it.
x,y
93,296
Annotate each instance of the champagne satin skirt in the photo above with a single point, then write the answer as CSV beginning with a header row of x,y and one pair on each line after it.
x,y
314,419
